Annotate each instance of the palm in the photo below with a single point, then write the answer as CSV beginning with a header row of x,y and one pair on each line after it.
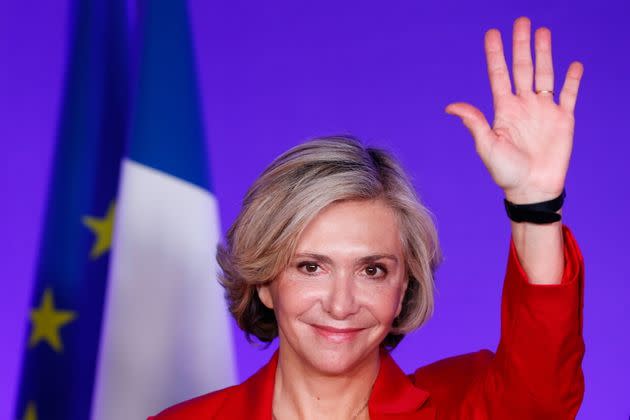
x,y
528,147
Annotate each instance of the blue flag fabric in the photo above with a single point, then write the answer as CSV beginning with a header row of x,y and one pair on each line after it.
x,y
166,126
62,342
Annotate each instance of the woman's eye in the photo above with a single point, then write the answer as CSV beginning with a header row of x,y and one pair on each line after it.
x,y
308,267
375,270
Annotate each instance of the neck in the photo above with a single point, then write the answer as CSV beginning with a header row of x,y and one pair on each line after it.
x,y
301,391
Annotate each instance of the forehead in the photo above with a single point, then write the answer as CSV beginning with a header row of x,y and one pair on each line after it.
x,y
353,226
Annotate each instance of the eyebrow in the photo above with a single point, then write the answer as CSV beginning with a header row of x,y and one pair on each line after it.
x,y
362,260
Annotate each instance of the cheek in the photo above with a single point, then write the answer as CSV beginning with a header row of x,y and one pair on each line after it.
x,y
381,301
293,298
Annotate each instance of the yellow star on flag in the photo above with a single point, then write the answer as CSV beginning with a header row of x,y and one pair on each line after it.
x,y
102,229
30,413
47,321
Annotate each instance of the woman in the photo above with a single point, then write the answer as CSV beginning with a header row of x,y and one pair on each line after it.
x,y
334,254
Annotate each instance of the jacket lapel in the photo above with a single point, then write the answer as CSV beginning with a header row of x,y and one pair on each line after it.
x,y
395,396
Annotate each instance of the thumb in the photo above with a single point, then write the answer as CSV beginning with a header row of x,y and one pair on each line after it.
x,y
475,122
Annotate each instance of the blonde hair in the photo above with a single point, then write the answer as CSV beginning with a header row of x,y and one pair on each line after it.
x,y
289,194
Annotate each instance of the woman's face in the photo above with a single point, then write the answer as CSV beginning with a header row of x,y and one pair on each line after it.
x,y
344,286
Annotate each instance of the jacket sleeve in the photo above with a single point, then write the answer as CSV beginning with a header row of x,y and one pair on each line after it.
x,y
536,371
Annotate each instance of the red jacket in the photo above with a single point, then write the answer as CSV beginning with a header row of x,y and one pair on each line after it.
x,y
535,374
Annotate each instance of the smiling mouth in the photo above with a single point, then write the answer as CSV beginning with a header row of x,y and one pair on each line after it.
x,y
337,335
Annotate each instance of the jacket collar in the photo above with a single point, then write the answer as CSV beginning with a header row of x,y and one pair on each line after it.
x,y
393,392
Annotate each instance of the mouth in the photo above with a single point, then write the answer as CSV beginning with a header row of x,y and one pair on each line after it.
x,y
337,335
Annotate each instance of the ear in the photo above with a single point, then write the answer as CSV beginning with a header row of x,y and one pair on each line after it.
x,y
264,294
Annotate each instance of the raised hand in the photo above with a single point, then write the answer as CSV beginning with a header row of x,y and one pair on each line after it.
x,y
528,148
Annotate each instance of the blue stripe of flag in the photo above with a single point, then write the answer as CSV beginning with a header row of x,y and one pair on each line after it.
x,y
167,131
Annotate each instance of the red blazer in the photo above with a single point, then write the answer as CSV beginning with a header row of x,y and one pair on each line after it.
x,y
535,374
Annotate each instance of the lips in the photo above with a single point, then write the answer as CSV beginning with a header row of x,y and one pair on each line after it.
x,y
337,335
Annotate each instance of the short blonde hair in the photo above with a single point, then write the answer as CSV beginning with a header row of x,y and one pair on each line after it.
x,y
289,194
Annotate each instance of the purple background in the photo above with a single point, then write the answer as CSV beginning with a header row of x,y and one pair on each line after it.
x,y
275,74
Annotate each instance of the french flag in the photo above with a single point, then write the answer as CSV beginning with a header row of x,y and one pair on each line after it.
x,y
166,330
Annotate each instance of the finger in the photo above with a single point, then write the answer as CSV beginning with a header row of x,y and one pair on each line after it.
x,y
475,122
522,66
497,68
568,95
544,61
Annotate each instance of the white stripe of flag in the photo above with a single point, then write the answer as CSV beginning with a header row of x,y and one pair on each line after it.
x,y
166,333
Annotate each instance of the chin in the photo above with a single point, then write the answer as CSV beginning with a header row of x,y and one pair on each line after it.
x,y
337,362
338,354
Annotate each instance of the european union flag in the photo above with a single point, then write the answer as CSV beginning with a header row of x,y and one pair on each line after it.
x,y
71,278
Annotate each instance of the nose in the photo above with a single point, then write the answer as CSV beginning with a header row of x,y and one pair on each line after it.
x,y
340,302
